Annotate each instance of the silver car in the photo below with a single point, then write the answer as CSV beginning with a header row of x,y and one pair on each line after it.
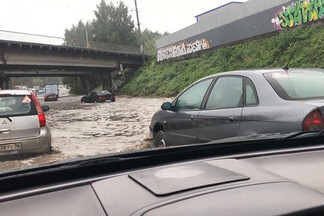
x,y
241,103
23,126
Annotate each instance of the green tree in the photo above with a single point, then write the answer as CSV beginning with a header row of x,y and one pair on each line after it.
x,y
38,82
76,36
149,38
113,24
74,83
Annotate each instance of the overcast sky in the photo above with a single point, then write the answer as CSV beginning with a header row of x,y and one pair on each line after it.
x,y
52,17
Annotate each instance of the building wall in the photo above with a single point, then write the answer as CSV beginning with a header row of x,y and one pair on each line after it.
x,y
252,18
216,11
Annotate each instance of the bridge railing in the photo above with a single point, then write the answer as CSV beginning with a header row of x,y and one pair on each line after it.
x,y
107,47
60,41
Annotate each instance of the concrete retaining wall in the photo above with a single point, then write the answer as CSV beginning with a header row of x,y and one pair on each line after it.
x,y
250,19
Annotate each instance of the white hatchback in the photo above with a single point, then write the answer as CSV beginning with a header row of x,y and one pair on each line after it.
x,y
23,126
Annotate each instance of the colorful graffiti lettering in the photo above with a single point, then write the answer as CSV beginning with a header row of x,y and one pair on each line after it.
x,y
181,49
298,12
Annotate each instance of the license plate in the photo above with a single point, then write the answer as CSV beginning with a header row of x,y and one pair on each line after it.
x,y
50,96
10,147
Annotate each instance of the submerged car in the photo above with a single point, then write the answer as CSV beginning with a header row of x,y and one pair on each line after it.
x,y
109,96
241,103
23,126
98,96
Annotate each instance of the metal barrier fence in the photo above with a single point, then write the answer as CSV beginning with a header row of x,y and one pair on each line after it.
x,y
60,41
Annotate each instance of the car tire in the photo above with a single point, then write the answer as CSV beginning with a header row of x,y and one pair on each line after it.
x,y
113,100
160,139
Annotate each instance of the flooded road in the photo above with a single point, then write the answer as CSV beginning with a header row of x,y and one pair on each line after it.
x,y
90,129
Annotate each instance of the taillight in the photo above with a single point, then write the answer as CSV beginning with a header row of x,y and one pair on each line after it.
x,y
313,121
39,109
55,96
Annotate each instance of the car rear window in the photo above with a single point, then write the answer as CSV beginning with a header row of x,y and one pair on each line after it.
x,y
15,105
297,84
102,93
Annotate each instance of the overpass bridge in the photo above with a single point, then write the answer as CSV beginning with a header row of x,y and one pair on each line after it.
x,y
103,61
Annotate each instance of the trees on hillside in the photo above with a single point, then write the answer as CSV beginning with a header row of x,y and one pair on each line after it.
x,y
112,24
76,36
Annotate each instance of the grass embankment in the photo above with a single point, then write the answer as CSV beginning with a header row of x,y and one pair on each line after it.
x,y
304,45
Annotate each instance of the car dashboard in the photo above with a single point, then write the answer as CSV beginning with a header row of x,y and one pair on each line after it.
x,y
263,184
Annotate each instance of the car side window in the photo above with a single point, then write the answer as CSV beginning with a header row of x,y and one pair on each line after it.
x,y
226,93
193,97
250,93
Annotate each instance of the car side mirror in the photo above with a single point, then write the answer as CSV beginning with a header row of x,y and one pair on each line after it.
x,y
45,108
166,106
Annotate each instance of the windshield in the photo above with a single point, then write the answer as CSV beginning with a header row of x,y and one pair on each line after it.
x,y
298,84
111,77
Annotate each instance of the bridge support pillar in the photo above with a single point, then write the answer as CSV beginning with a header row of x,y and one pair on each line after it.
x,y
106,81
114,76
4,81
85,81
109,81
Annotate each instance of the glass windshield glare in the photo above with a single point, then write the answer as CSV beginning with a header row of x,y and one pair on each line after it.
x,y
297,84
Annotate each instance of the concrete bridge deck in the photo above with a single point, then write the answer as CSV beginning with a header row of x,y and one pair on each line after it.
x,y
23,59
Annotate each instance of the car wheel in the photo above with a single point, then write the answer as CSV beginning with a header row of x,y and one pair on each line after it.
x,y
113,100
160,139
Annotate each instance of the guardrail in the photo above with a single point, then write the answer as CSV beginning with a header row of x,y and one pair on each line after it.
x,y
105,47
60,41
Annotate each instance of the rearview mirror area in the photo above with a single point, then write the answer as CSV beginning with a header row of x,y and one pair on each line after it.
x,y
166,106
45,108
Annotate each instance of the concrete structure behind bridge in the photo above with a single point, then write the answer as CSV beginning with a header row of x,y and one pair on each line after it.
x,y
20,59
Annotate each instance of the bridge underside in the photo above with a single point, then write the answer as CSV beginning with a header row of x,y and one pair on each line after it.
x,y
37,60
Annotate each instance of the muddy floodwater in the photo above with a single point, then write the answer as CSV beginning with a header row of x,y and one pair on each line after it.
x,y
91,129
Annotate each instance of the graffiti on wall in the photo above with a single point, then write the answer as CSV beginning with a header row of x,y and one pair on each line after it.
x,y
181,49
298,12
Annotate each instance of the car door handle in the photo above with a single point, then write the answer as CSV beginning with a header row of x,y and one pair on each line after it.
x,y
232,119
193,117
5,131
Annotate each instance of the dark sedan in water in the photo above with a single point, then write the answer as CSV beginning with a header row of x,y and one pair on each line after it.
x,y
240,103
98,96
